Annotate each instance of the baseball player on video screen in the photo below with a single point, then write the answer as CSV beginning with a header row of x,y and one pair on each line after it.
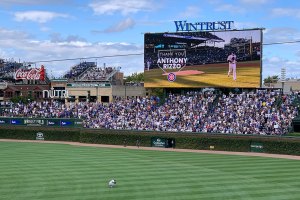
x,y
231,59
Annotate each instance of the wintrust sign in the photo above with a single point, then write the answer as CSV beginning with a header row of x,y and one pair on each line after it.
x,y
203,26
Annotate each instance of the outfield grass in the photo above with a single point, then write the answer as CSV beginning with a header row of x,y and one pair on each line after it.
x,y
57,171
215,75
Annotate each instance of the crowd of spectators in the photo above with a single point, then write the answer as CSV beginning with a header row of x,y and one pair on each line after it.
x,y
7,69
260,112
206,55
78,69
254,113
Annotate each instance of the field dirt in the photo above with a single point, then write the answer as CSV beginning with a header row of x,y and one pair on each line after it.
x,y
186,72
212,75
160,149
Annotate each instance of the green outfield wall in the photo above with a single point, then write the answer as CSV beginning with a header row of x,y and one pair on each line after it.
x,y
204,141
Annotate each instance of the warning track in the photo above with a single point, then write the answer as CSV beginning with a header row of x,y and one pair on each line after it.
x,y
161,149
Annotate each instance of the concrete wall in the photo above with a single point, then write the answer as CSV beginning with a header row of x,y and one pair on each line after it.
x,y
128,91
94,91
288,86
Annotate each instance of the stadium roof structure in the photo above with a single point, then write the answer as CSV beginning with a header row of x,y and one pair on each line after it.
x,y
195,38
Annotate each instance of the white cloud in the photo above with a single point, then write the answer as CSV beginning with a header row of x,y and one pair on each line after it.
x,y
57,37
11,34
281,34
245,25
272,66
190,12
19,45
230,8
286,12
32,2
38,16
45,29
121,26
274,59
255,2
214,2
3,54
124,6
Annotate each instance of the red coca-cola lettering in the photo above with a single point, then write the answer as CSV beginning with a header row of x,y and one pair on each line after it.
x,y
42,73
28,74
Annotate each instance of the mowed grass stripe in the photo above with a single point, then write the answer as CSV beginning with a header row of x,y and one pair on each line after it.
x,y
56,171
78,157
150,178
88,191
150,186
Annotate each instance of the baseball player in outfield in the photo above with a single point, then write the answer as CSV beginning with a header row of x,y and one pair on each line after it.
x,y
231,59
112,183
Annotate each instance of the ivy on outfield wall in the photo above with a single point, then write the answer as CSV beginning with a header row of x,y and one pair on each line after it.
x,y
277,145
29,133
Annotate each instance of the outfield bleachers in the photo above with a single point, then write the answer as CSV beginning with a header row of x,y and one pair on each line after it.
x,y
259,112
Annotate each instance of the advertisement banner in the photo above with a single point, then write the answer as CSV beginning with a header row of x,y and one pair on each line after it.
x,y
34,122
158,142
78,123
30,74
66,123
17,121
4,121
256,147
53,122
41,122
203,59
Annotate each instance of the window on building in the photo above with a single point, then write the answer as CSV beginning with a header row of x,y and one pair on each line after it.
x,y
105,99
18,93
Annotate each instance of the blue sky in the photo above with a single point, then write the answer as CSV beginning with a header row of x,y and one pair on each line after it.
x,y
32,30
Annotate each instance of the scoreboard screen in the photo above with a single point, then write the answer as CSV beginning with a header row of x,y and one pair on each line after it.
x,y
203,59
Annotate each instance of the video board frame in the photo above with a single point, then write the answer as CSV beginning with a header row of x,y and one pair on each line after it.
x,y
200,59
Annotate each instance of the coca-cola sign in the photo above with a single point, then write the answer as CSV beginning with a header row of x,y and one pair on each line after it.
x,y
30,74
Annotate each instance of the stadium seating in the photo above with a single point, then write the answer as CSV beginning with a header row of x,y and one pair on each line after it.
x,y
97,74
7,70
79,69
261,112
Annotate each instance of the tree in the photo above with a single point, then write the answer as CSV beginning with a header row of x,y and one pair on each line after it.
x,y
22,99
135,77
271,80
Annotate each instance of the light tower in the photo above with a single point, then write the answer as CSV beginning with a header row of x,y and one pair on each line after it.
x,y
283,77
